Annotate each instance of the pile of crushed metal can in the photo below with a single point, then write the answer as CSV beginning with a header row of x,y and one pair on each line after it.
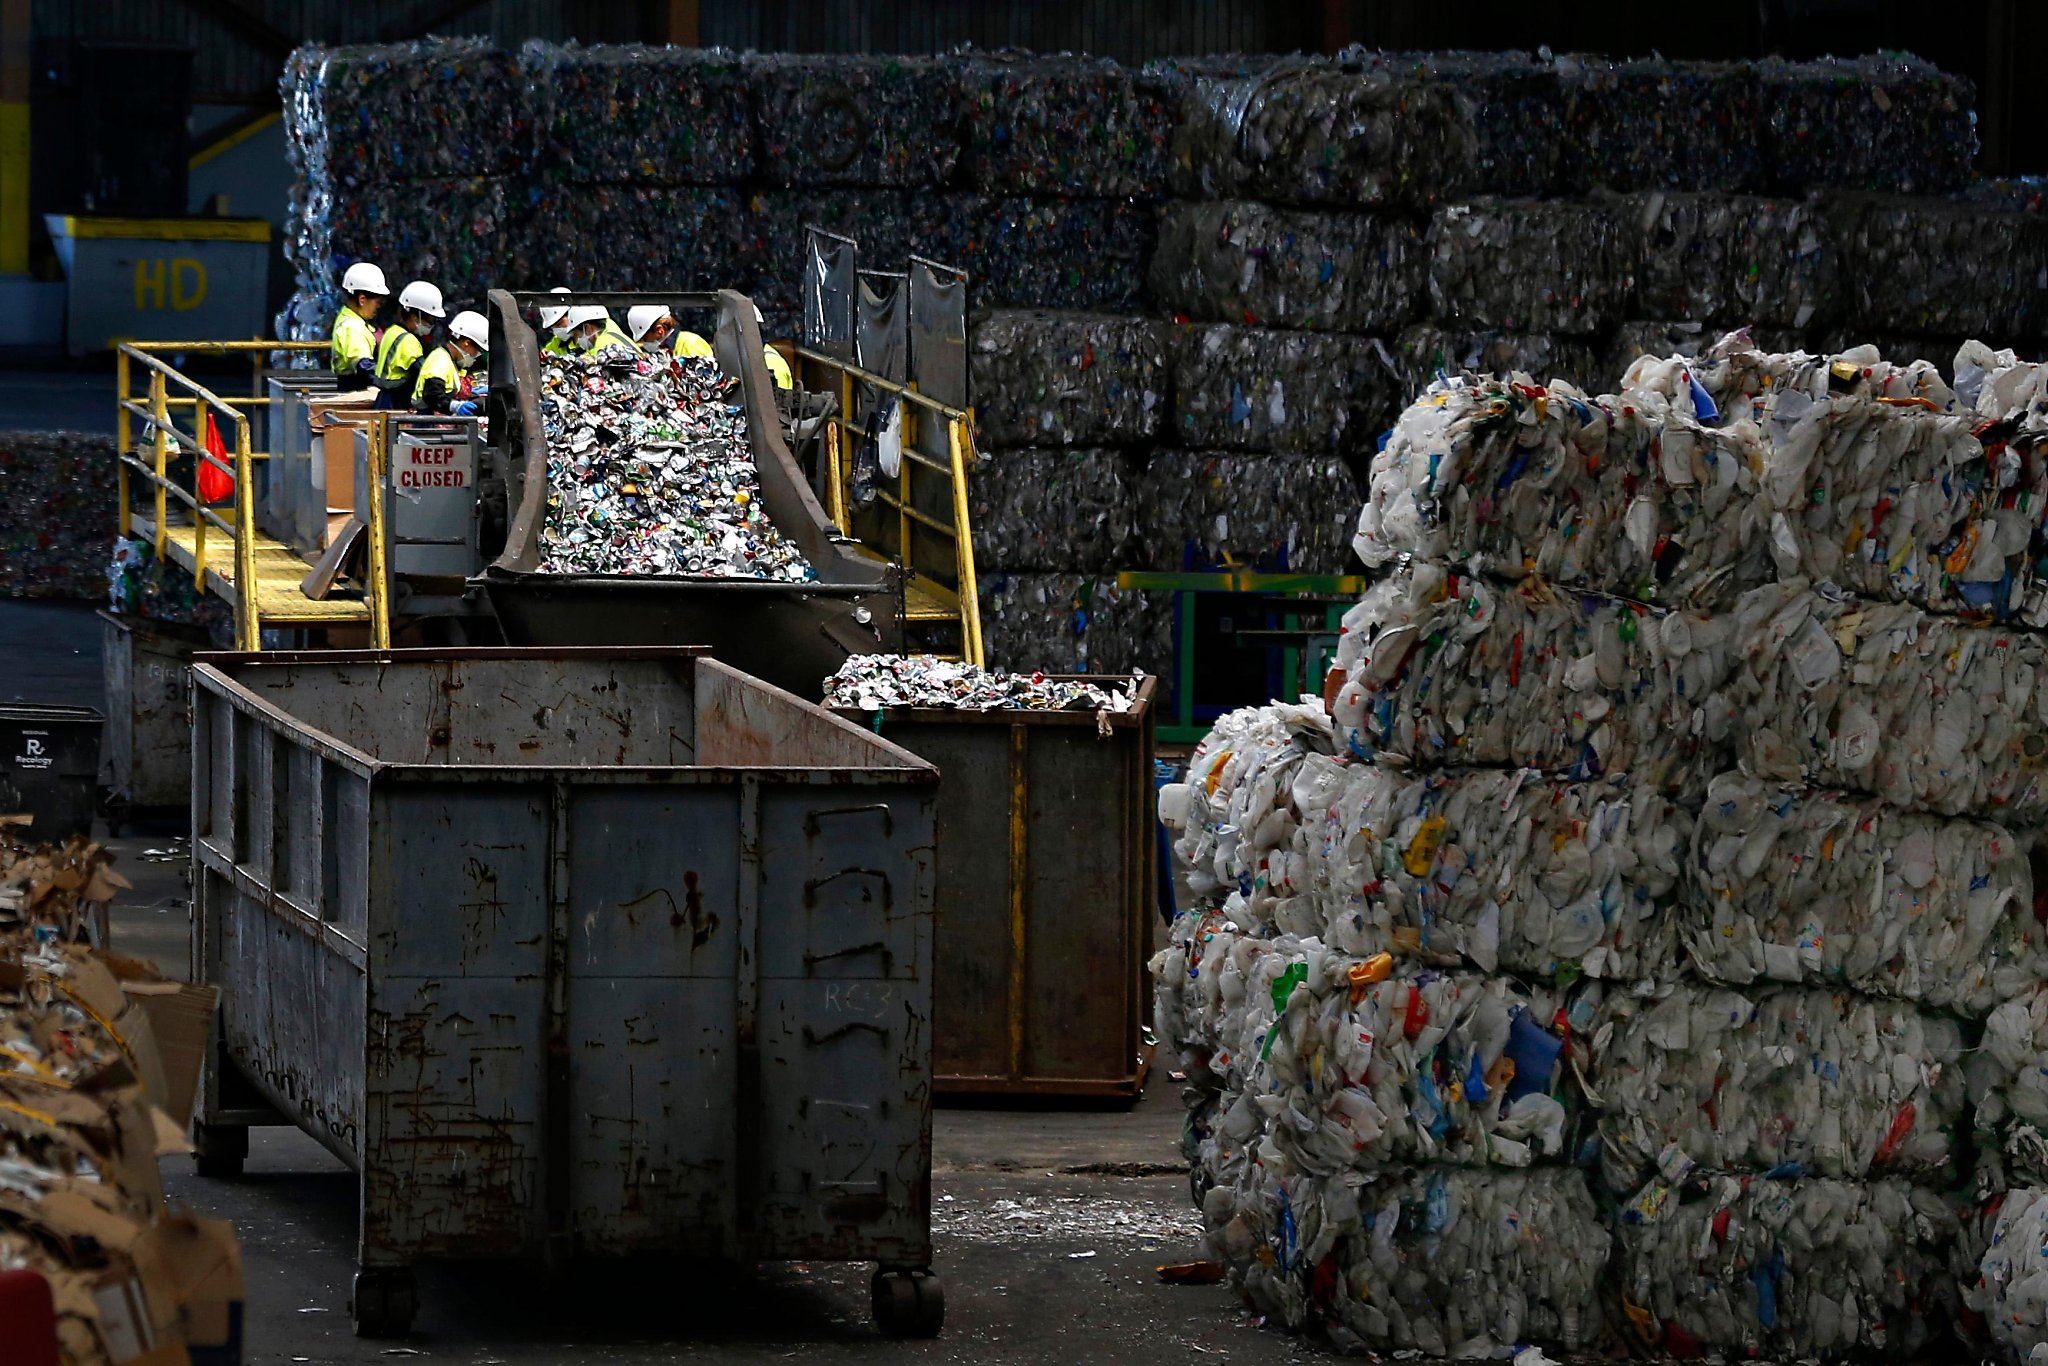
x,y
650,472
879,682
1647,930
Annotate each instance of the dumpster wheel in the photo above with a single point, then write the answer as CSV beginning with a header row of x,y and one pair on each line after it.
x,y
384,1302
219,1150
909,1304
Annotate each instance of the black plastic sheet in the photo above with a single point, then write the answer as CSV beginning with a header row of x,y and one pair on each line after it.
x,y
1066,125
1202,510
1066,510
1044,378
842,119
1526,265
628,113
1349,131
1734,260
1241,262
1257,389
1943,267
1074,623
1888,121
437,107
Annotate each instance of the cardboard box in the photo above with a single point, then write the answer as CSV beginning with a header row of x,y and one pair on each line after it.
x,y
181,1018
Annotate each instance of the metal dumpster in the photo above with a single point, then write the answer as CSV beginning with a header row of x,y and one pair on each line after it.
x,y
49,768
1047,900
570,953
146,749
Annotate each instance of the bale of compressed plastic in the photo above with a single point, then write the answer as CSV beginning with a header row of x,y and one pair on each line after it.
x,y
1065,124
56,490
1789,1268
1067,510
1877,480
1521,109
1733,259
1074,623
1445,670
406,111
623,113
2008,1077
2010,1289
1339,1068
468,235
1240,262
1941,267
1640,493
1261,389
1632,340
1427,350
1237,811
1044,253
1791,1080
1887,121
1202,510
1441,1261
1354,130
1526,265
1786,884
1043,378
1927,712
639,237
848,119
1663,125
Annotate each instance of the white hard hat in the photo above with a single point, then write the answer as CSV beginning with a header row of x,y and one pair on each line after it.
x,y
640,317
471,327
423,297
586,313
551,315
364,278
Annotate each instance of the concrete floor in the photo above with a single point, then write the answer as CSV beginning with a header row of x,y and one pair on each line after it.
x,y
1049,1224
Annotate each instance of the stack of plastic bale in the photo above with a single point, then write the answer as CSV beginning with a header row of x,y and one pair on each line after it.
x,y
858,145
1942,268
1377,1129
1529,265
637,152
408,155
1427,351
1066,405
1278,356
1663,125
57,496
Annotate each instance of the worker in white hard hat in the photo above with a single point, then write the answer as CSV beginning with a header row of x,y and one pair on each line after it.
x,y
404,344
554,319
592,330
440,388
656,329
353,345
778,368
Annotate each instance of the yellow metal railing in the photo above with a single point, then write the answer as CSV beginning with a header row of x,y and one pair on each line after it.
x,y
171,394
959,424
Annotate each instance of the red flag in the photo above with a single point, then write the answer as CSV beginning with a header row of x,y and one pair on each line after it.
x,y
216,484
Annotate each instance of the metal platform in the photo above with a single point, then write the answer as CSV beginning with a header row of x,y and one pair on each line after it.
x,y
279,571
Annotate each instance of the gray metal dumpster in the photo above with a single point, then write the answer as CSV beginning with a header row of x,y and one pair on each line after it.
x,y
570,953
1047,894
146,750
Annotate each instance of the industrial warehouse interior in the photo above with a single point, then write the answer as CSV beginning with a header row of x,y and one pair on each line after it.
x,y
1061,681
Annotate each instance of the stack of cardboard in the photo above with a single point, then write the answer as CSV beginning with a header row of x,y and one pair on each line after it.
x,y
99,1061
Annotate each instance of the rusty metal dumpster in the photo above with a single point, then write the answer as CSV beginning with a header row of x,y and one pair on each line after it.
x,y
570,953
1046,905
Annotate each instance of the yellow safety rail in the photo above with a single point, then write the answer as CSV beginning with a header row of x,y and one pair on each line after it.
x,y
258,568
959,423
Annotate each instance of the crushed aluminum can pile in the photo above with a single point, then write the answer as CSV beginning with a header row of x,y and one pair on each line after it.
x,y
650,472
874,682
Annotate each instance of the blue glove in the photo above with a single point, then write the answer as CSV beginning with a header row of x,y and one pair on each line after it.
x,y
465,408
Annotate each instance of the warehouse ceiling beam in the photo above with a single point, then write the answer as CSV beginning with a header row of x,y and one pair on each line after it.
x,y
231,14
